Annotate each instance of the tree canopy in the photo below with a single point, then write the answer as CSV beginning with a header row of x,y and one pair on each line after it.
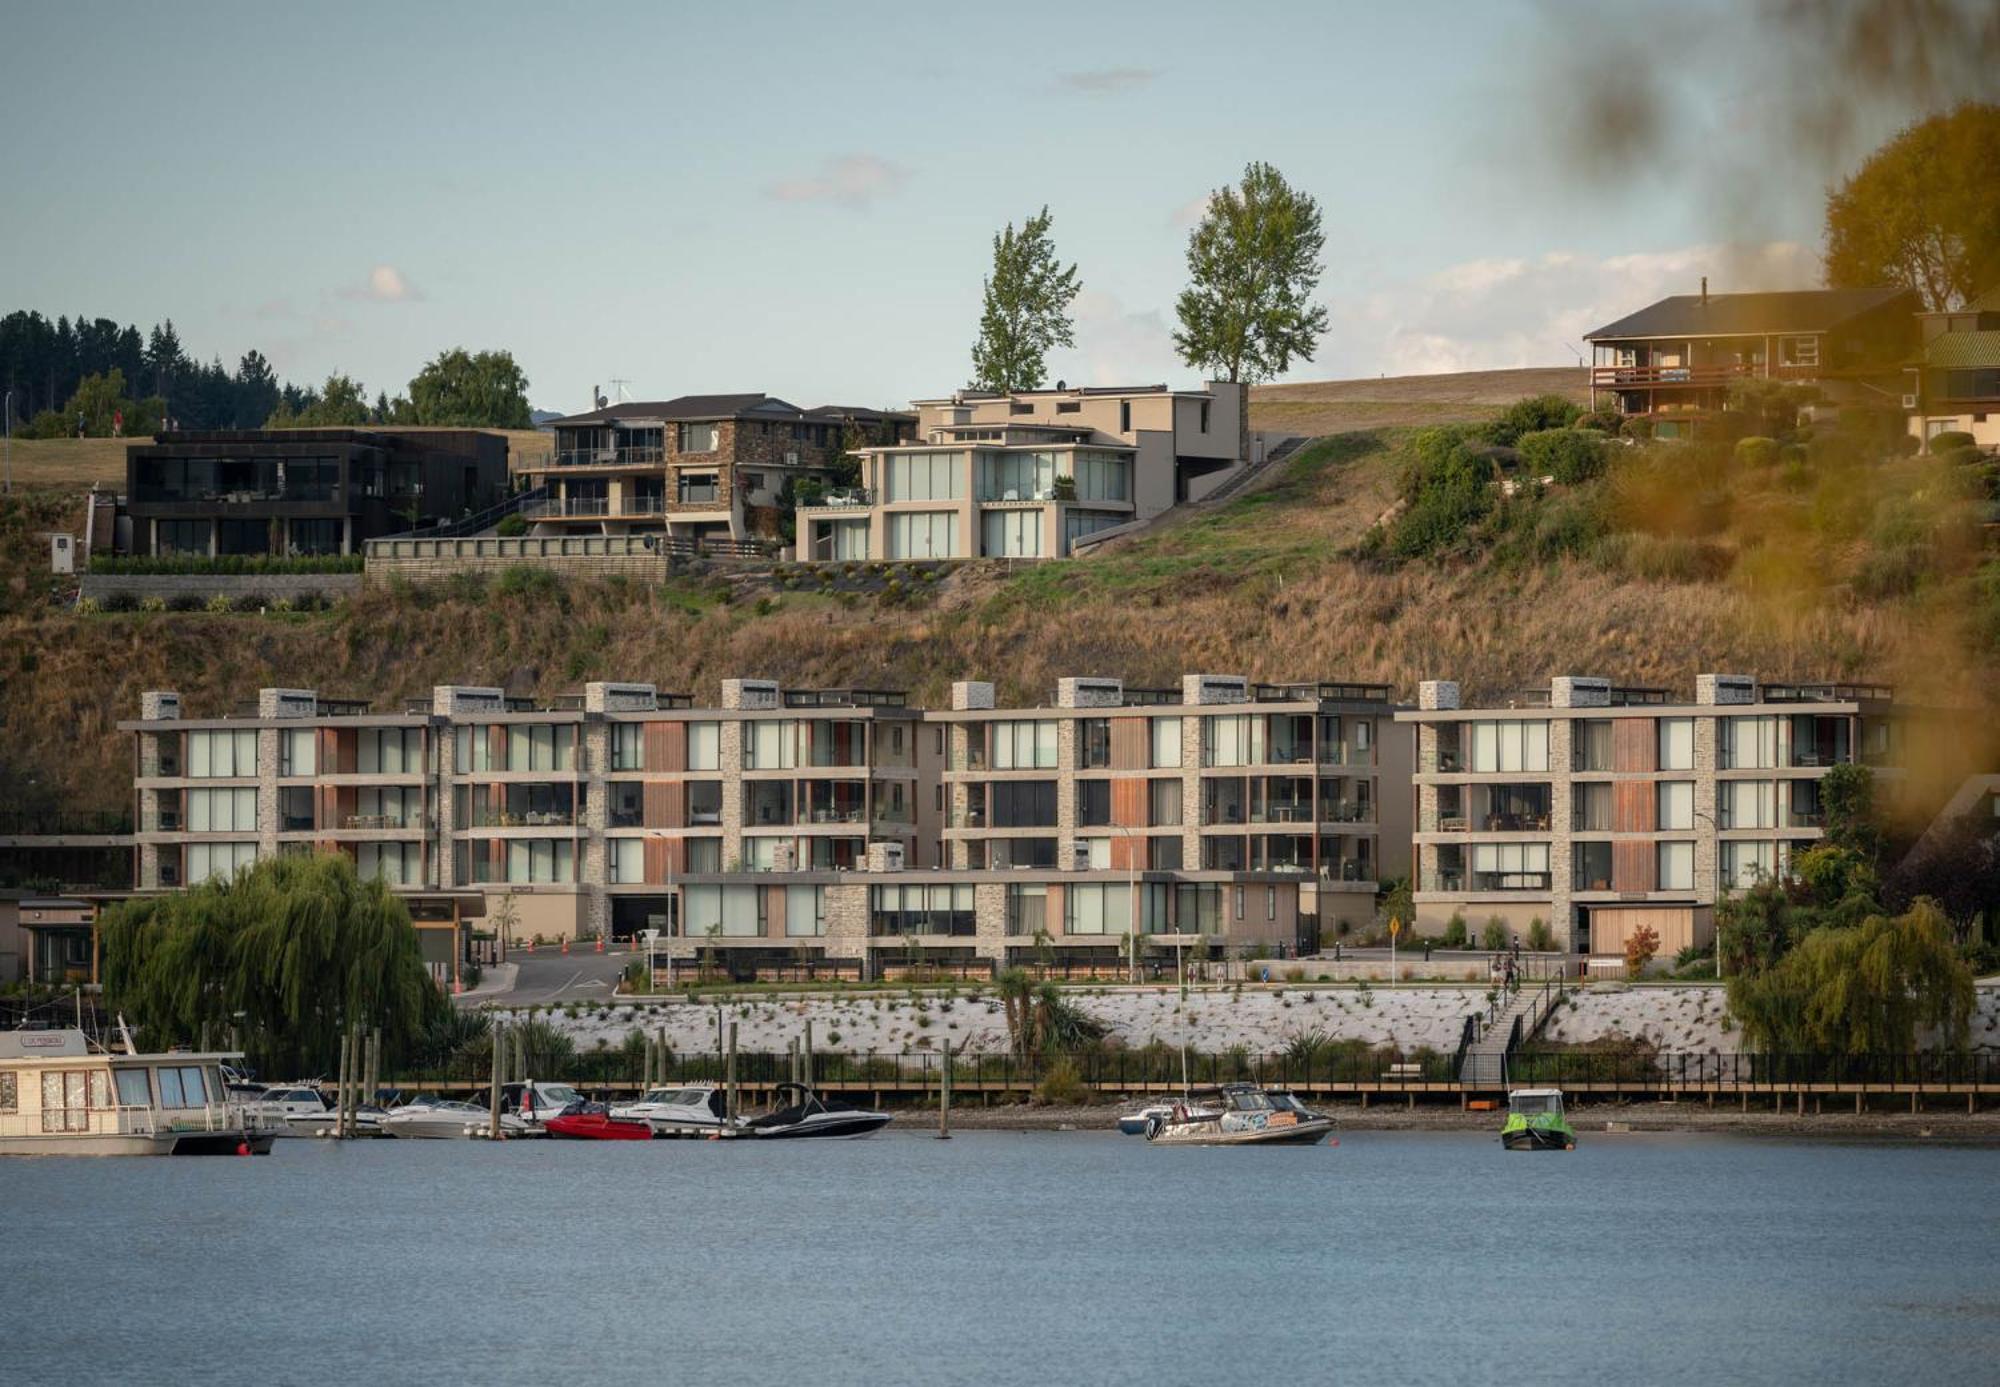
x,y
461,389
1026,310
1253,265
340,403
1922,212
291,950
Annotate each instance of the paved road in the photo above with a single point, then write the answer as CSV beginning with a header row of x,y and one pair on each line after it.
x,y
546,977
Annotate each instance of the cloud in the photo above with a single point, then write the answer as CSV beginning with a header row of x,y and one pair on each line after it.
x,y
385,284
853,181
1116,345
1106,81
1191,211
1491,314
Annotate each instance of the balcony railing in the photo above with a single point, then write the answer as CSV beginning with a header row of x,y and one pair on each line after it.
x,y
538,818
1641,377
846,499
593,506
380,821
608,457
1446,879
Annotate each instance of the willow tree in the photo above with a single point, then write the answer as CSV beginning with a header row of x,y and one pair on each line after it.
x,y
287,953
1870,988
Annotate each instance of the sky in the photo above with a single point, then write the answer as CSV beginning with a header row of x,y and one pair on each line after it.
x,y
800,198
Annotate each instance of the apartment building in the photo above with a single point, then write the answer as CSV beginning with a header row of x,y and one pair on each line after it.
x,y
302,491
695,467
1027,474
582,812
1676,359
1216,778
1600,809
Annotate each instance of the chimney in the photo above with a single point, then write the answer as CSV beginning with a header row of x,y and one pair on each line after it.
x,y
1704,291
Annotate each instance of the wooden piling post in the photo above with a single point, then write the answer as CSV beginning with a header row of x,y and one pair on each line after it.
x,y
493,1094
729,1071
811,1081
374,1069
340,1093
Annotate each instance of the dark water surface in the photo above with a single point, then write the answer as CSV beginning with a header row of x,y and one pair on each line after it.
x,y
1007,1258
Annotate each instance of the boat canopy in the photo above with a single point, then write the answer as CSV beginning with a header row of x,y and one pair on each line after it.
x,y
1531,1102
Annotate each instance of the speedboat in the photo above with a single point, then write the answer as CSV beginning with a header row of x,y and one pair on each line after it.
x,y
1134,1124
1535,1121
534,1102
697,1110
799,1112
593,1122
291,1109
446,1119
1248,1116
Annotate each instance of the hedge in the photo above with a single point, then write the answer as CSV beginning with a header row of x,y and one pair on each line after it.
x,y
1568,455
198,565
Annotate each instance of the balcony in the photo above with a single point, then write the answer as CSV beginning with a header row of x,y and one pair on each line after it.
x,y
848,498
534,818
380,822
608,457
592,507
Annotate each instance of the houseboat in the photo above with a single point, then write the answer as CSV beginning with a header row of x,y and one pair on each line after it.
x,y
60,1095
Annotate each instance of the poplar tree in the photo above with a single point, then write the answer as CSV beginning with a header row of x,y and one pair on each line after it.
x,y
1253,265
1026,310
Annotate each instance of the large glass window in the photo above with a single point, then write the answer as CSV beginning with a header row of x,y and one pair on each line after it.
x,y
1078,523
541,747
1232,740
628,747
1510,866
1746,864
1676,867
541,859
1024,804
1592,749
704,746
181,536
698,438
771,745
728,911
1748,744
1510,745
1016,476
298,751
1103,477
389,751
1748,803
805,911
1011,534
1676,744
1166,742
1164,799
626,859
922,535
205,860
222,811
1024,745
399,864
925,477
935,909
216,755
1676,805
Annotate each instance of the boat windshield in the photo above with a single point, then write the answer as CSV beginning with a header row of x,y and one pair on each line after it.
x,y
686,1098
560,1095
1249,1102
1535,1104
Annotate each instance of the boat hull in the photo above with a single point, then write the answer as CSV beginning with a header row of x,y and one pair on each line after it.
x,y
236,1143
596,1127
1309,1133
832,1125
1538,1139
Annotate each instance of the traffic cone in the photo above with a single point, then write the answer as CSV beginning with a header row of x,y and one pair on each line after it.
x,y
600,943
565,944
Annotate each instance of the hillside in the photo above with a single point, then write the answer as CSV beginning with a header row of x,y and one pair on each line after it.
x,y
1274,584
1335,406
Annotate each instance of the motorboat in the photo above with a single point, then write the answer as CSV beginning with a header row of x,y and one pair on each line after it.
x,y
594,1122
1536,1122
533,1103
289,1109
695,1110
1246,1115
1134,1124
797,1111
367,1121
428,1118
63,1095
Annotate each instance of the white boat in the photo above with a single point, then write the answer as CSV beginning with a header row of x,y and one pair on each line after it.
x,y
535,1103
694,1110
799,1112
1134,1124
62,1096
1249,1116
446,1119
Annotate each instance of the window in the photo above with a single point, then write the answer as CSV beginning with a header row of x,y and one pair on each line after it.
x,y
703,854
222,811
1093,804
1078,523
180,536
770,745
135,1089
922,535
1592,749
1675,805
1512,745
754,481
1068,407
704,746
1163,854
1163,803
1510,866
1024,804
728,911
10,1091
1027,909
1024,745
390,751
1676,744
541,747
1591,807
1093,744
921,910
1011,534
1232,740
1204,416
1747,803
399,864
626,859
205,860
1748,744
297,751
1124,416
1103,477
219,755
1018,476
541,859
805,911
1798,351
697,438
628,747
924,477
1198,908
1746,864
1107,908
1021,852
1166,742
1676,867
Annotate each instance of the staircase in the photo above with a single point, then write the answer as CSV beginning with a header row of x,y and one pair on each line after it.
x,y
480,523
1283,449
1515,1018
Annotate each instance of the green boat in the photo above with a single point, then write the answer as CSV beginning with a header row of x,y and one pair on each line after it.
x,y
1535,1121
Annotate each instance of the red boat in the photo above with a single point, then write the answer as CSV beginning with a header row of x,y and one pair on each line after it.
x,y
596,1126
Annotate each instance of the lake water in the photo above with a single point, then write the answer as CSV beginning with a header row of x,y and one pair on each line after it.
x,y
1039,1258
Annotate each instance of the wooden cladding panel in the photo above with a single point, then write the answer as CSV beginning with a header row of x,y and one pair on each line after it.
x,y
663,804
1128,854
1635,744
774,912
665,746
1632,866
1632,806
1129,749
1128,803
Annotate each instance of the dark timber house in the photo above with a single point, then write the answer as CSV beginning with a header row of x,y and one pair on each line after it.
x,y
304,491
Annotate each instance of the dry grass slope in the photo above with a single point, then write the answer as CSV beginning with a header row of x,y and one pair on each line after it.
x,y
1331,406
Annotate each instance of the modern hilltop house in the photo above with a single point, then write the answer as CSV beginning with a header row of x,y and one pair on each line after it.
x,y
303,491
1957,380
695,467
1675,361
1601,809
794,827
1027,474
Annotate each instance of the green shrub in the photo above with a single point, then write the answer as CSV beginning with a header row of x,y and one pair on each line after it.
x,y
152,602
191,565
1568,455
1454,931
120,602
1638,426
1494,937
524,581
1534,414
248,602
1540,937
511,525
1756,451
1606,421
219,603
1951,439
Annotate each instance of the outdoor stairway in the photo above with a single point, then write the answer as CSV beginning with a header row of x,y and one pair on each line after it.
x,y
1517,1018
1283,449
